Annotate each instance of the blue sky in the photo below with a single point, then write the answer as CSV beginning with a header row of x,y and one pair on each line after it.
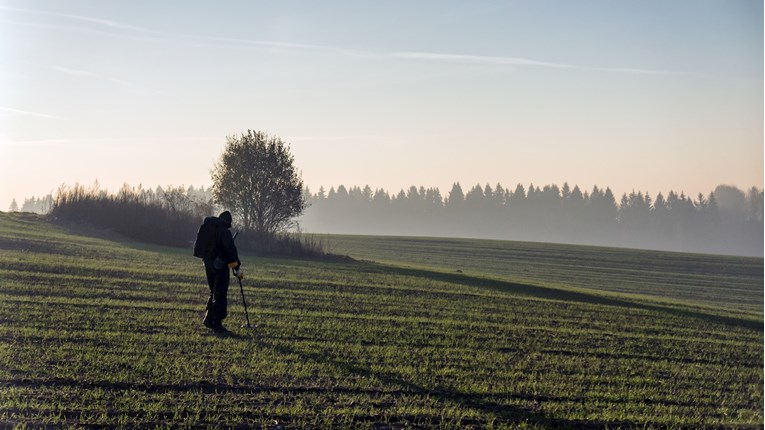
x,y
648,95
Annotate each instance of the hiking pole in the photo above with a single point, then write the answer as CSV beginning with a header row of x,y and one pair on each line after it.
x,y
241,290
246,315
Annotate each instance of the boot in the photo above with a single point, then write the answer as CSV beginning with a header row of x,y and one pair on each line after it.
x,y
207,321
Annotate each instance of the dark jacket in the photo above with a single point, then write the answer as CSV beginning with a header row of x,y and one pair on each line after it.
x,y
225,249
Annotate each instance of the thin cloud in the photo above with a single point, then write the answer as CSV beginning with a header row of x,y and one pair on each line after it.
x,y
38,142
401,55
29,113
105,22
82,29
75,72
456,58
640,71
151,139
89,19
515,61
105,142
361,139
336,138
122,83
271,44
145,34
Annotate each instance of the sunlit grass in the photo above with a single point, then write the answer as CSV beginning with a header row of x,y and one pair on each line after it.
x,y
104,333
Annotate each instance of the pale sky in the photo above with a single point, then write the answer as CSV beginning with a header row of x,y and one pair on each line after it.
x,y
644,95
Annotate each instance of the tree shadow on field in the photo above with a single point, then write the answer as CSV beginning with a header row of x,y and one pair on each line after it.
x,y
396,385
573,296
492,408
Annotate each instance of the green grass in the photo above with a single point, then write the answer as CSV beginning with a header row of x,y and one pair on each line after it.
x,y
735,283
99,332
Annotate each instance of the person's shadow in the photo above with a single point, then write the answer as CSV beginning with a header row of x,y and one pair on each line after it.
x,y
228,334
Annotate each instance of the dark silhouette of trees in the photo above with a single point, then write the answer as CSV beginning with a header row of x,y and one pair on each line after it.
x,y
257,180
725,221
754,205
456,196
165,216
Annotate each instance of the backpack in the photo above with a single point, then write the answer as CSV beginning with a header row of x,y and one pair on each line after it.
x,y
204,246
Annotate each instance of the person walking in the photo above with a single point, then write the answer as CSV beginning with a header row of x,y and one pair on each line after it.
x,y
222,257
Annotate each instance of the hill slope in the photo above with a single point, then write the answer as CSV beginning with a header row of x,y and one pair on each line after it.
x,y
695,279
106,333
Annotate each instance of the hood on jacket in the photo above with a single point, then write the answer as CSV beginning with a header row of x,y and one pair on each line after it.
x,y
216,222
225,216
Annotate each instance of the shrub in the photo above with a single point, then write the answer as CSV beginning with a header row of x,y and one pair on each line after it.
x,y
164,219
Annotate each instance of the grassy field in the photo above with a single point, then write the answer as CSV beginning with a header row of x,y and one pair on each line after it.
x,y
99,332
735,283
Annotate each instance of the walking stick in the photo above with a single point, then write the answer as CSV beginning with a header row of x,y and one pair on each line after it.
x,y
246,315
241,290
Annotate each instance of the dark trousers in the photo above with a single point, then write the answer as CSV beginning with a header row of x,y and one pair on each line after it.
x,y
217,304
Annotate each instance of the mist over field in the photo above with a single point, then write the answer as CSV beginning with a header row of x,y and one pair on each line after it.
x,y
350,260
726,221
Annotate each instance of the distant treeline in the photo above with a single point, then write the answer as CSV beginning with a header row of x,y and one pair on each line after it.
x,y
727,220
42,205
166,216
191,197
